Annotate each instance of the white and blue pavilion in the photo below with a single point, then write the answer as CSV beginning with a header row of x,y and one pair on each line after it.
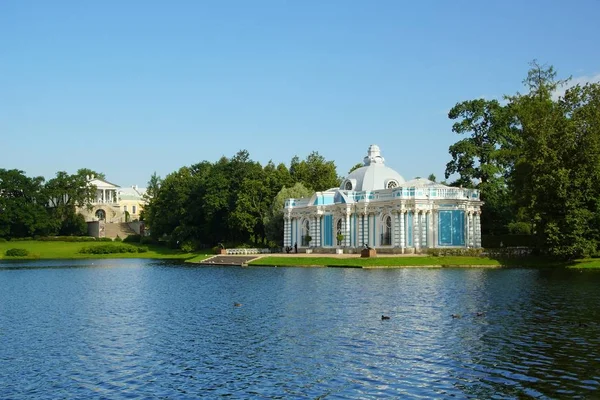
x,y
375,206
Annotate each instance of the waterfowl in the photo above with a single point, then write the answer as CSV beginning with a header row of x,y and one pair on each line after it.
x,y
455,315
384,317
480,314
237,304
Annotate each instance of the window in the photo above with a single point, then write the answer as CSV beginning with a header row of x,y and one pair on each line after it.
x,y
306,233
338,232
133,209
386,236
392,184
124,208
348,185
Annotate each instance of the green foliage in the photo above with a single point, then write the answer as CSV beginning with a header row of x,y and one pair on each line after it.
x,y
16,252
117,239
519,228
314,172
112,248
67,239
497,241
132,239
536,161
73,224
450,252
356,166
274,221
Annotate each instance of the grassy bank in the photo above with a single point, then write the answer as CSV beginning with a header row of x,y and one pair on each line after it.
x,y
70,250
376,262
454,261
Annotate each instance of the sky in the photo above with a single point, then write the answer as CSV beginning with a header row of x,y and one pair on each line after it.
x,y
129,88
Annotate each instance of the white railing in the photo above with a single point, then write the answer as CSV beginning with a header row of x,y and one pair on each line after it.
x,y
240,252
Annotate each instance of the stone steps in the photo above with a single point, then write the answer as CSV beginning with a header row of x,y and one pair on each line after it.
x,y
121,229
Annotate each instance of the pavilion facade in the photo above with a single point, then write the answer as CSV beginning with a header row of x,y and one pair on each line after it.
x,y
374,206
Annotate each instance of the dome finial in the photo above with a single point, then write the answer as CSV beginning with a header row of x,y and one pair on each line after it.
x,y
373,156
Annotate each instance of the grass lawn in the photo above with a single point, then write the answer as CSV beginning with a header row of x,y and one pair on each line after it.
x,y
375,262
70,250
458,261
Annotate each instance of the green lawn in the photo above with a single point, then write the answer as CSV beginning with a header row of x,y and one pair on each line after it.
x,y
375,262
70,250
535,262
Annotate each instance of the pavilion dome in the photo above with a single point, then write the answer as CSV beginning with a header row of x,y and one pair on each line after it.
x,y
374,175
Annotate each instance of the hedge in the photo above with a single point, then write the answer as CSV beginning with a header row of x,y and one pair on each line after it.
x,y
16,252
113,249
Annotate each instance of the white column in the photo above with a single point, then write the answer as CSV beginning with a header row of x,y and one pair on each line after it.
x,y
477,229
423,227
287,240
317,238
104,195
347,230
396,229
416,214
402,230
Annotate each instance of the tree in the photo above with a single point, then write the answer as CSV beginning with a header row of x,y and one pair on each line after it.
x,y
432,177
274,221
314,172
556,173
22,205
485,158
356,166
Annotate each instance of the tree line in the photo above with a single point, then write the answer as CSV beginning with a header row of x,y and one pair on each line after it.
x,y
232,201
535,157
30,206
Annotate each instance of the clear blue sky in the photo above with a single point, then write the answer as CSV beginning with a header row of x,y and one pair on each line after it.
x,y
133,87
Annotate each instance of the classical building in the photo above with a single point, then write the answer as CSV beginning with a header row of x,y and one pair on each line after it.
x,y
375,206
113,203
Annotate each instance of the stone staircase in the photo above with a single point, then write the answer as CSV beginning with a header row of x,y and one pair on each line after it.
x,y
122,229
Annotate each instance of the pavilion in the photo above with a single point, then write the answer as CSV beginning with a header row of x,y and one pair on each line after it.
x,y
375,206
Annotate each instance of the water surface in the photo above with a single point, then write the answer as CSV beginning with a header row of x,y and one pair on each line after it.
x,y
161,329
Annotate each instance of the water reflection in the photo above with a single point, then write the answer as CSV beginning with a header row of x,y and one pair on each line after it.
x,y
140,328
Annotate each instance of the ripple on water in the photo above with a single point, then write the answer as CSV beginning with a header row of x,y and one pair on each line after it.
x,y
142,329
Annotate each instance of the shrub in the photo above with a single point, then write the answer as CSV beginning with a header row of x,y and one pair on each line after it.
x,y
17,253
148,240
104,239
66,239
112,249
118,239
132,239
519,228
2,240
442,252
188,246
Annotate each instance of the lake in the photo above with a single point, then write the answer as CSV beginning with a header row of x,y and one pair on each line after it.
x,y
162,329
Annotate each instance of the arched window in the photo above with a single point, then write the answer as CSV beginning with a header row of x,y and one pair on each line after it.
x,y
101,215
338,232
348,185
392,184
386,235
306,233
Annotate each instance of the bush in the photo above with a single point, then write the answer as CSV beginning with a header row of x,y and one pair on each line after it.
x,y
132,239
17,253
496,241
104,239
22,239
2,240
442,252
519,228
66,239
112,249
118,239
148,240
